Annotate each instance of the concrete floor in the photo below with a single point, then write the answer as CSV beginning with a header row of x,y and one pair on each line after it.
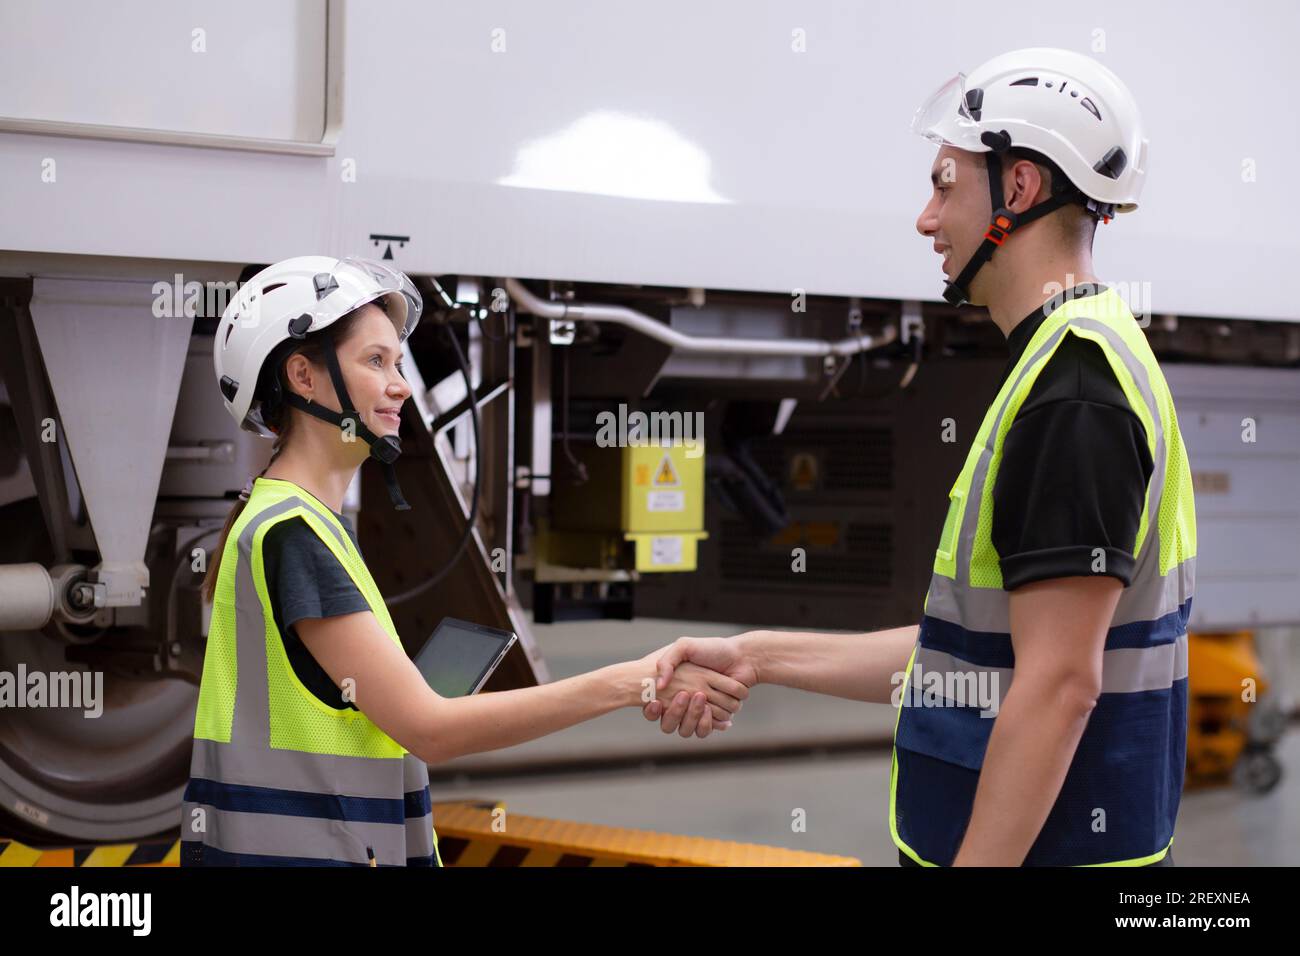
x,y
844,796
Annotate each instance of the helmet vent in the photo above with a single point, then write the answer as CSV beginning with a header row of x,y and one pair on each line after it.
x,y
272,287
225,343
1091,107
1027,81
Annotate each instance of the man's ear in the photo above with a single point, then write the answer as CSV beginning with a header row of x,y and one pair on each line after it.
x,y
1025,185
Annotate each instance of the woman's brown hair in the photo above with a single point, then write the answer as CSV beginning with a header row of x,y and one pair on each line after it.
x,y
278,416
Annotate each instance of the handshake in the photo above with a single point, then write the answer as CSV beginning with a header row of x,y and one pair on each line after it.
x,y
699,684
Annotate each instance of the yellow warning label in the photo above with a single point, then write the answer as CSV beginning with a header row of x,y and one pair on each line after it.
x,y
803,472
666,473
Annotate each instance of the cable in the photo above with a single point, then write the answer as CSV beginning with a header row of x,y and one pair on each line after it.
x,y
478,479
579,469
508,329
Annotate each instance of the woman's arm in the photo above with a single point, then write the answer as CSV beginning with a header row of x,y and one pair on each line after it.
x,y
389,689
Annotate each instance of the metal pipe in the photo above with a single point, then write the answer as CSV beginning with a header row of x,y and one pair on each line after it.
x,y
621,315
27,597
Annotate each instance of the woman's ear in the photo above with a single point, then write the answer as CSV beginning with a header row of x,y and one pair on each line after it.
x,y
299,374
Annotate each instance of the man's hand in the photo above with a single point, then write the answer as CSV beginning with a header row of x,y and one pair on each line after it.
x,y
703,700
684,714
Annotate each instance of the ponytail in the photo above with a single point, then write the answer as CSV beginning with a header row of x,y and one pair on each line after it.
x,y
209,586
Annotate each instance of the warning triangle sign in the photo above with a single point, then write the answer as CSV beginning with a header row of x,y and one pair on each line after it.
x,y
666,475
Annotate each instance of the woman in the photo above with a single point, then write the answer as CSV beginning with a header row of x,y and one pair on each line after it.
x,y
314,729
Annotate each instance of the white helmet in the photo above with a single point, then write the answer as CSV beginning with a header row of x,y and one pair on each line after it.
x,y
1061,104
288,301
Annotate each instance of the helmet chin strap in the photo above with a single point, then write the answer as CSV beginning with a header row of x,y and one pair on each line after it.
x,y
1004,221
386,449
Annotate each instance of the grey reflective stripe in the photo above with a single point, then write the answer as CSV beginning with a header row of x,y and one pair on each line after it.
x,y
980,676
418,840
419,830
241,763
251,724
1125,670
976,609
1147,598
1129,670
1158,595
328,522
316,838
249,758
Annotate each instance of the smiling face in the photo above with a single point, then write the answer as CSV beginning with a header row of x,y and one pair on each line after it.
x,y
958,211
371,361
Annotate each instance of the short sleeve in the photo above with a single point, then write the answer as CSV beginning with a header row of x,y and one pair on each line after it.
x,y
310,581
1072,483
305,580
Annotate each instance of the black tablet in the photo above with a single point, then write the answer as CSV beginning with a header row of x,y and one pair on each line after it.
x,y
460,656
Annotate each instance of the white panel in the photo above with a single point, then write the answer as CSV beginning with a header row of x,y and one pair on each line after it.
x,y
237,68
1247,507
687,144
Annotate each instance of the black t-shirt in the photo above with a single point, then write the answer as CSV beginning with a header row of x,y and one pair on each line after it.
x,y
305,580
1075,466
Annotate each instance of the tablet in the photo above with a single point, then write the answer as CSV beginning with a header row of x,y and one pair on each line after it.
x,y
460,656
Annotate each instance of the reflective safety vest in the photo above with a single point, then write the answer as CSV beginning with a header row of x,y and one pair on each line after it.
x,y
278,777
1120,797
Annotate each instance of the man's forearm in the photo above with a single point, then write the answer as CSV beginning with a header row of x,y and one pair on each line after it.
x,y
856,666
1029,753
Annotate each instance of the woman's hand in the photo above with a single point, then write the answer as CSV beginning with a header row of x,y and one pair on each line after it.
x,y
702,699
716,655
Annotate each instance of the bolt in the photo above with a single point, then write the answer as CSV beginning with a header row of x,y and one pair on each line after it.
x,y
82,596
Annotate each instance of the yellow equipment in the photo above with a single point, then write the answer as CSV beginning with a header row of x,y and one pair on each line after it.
x,y
1232,723
651,495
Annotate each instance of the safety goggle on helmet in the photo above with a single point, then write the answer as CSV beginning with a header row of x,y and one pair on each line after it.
x,y
1062,104
290,300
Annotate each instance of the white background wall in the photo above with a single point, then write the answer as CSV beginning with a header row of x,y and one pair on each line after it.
x,y
677,142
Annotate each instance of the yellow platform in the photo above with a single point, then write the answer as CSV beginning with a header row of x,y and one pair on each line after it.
x,y
475,833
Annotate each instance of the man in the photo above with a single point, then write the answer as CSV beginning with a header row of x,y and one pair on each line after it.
x,y
1067,556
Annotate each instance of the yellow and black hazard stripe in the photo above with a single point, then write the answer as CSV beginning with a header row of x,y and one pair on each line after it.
x,y
482,833
162,853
